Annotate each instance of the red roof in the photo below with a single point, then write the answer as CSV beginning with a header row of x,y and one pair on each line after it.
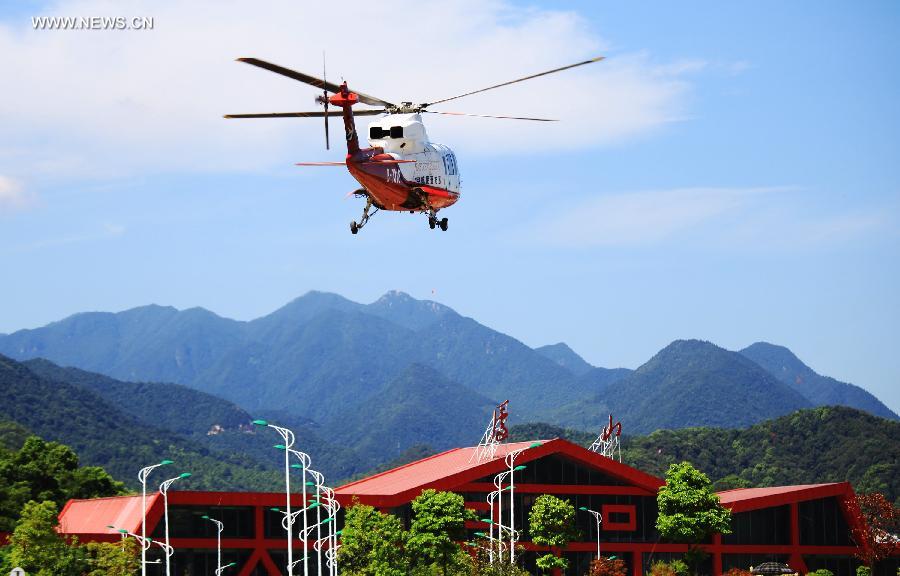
x,y
741,499
453,468
93,516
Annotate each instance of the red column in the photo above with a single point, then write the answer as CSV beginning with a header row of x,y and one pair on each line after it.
x,y
795,560
637,563
717,555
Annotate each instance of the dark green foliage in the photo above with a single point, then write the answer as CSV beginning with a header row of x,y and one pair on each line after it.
x,y
47,471
213,424
161,403
37,548
372,544
688,383
821,390
689,510
105,436
438,524
551,523
829,444
12,436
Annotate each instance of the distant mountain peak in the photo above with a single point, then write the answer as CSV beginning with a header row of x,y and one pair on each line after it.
x,y
563,355
784,365
401,308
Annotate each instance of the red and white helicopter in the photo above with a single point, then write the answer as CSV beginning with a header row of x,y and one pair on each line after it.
x,y
402,170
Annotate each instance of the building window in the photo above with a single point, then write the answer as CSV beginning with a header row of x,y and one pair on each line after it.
x,y
619,517
822,523
764,526
188,522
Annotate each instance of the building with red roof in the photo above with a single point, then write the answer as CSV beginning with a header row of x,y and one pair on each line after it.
x,y
807,526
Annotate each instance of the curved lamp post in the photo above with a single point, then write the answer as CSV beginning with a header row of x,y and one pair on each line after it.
x,y
512,469
164,490
597,516
219,528
145,543
142,477
288,436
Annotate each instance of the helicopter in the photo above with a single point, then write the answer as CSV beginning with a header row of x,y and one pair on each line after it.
x,y
401,170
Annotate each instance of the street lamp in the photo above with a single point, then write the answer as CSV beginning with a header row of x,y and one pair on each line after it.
x,y
145,543
511,464
289,439
221,569
220,527
164,490
599,519
142,477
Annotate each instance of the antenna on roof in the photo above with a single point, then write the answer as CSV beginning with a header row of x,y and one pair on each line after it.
x,y
606,444
494,434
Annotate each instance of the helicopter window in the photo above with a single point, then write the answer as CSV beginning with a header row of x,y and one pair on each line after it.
x,y
377,132
450,164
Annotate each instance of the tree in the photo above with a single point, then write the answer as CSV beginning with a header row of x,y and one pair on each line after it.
x,y
611,566
673,568
501,566
372,543
47,471
876,520
551,523
105,559
38,549
438,524
689,510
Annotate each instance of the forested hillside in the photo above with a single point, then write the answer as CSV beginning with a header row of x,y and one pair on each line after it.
x,y
826,444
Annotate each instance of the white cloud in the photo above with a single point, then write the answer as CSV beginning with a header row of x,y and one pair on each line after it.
x,y
12,196
768,217
110,102
643,217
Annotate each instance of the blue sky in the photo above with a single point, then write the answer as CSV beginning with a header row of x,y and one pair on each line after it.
x,y
729,172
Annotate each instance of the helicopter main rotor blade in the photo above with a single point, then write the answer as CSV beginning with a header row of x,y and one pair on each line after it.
x,y
317,114
488,116
597,59
312,80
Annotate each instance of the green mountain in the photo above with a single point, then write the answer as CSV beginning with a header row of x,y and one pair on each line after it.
x,y
213,424
825,444
319,346
418,407
319,355
565,357
820,390
687,383
816,445
105,436
154,403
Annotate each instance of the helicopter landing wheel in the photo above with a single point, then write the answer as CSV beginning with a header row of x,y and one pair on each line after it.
x,y
443,224
354,227
432,222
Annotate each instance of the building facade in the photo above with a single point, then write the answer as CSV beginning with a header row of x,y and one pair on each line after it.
x,y
808,527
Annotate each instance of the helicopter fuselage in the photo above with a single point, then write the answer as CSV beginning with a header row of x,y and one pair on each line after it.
x,y
402,170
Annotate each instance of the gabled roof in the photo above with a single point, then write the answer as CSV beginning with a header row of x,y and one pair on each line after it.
x,y
91,517
741,499
453,468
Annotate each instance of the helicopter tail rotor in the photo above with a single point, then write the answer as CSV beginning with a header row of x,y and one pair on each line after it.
x,y
325,99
